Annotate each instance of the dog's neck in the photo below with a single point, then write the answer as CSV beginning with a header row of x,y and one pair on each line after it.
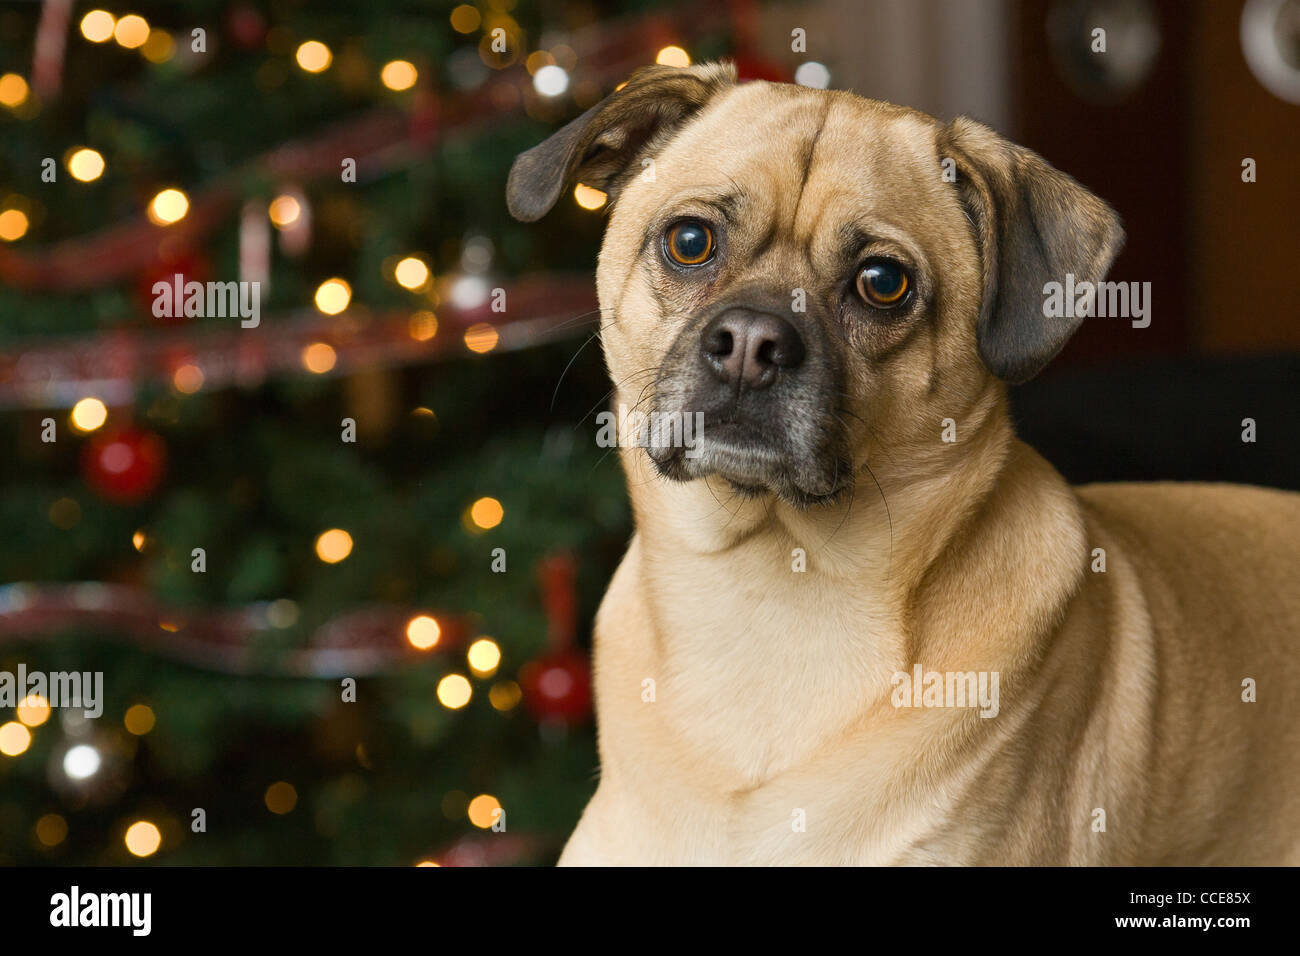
x,y
754,603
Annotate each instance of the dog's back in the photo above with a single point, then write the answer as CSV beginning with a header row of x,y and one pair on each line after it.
x,y
1216,570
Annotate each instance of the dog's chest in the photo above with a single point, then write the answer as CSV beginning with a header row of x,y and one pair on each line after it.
x,y
755,671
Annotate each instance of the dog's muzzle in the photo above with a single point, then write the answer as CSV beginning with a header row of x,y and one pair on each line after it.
x,y
759,391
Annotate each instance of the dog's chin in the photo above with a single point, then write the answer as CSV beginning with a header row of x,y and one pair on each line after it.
x,y
754,469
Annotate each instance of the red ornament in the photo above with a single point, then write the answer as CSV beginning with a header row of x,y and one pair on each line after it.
x,y
557,687
124,466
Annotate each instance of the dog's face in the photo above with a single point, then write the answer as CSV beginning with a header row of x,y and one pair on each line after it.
x,y
816,274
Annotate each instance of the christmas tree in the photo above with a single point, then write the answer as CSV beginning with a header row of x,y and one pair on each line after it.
x,y
298,429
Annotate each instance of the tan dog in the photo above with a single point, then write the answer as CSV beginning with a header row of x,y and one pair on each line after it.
x,y
795,266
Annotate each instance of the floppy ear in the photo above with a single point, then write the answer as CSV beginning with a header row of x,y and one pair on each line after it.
x,y
600,145
1034,225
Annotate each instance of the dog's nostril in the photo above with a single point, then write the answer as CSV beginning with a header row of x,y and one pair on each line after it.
x,y
749,348
719,342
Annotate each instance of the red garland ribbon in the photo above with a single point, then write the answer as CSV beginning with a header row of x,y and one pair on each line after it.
x,y
44,373
359,643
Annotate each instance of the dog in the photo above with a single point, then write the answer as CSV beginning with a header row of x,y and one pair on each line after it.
x,y
842,289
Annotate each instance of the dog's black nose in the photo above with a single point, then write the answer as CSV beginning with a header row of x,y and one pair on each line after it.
x,y
747,348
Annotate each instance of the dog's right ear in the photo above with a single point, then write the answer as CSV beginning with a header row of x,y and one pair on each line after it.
x,y
602,143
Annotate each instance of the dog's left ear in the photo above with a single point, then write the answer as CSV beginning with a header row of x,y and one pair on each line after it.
x,y
602,143
1034,225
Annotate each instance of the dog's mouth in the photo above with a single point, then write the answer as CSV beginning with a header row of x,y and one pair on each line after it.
x,y
755,459
746,395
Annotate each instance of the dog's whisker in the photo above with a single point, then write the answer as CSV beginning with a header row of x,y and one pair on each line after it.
x,y
587,341
612,389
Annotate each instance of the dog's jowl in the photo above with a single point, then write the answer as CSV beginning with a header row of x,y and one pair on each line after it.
x,y
841,317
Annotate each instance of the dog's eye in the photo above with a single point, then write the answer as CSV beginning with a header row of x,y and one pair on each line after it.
x,y
689,243
883,283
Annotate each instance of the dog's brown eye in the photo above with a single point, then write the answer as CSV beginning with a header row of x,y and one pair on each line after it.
x,y
883,283
689,243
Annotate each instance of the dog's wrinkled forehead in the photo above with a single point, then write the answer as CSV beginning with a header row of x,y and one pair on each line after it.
x,y
795,165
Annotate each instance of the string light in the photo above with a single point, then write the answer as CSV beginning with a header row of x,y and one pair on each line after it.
x,y
281,797
673,56
314,56
476,254
85,164
589,198
81,762
412,273
159,48
468,292
813,74
13,90
465,18
188,379
142,838
486,513
333,545
33,710
484,810
15,738
454,692
551,80
282,613
284,211
13,225
168,206
139,719
139,540
319,358
423,325
484,657
481,337
97,26
51,829
399,75
423,632
333,296
88,414
504,695
131,31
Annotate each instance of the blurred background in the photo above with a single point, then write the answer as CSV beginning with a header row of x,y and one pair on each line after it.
x,y
339,570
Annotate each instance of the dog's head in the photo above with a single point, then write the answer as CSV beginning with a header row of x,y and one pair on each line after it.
x,y
816,273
